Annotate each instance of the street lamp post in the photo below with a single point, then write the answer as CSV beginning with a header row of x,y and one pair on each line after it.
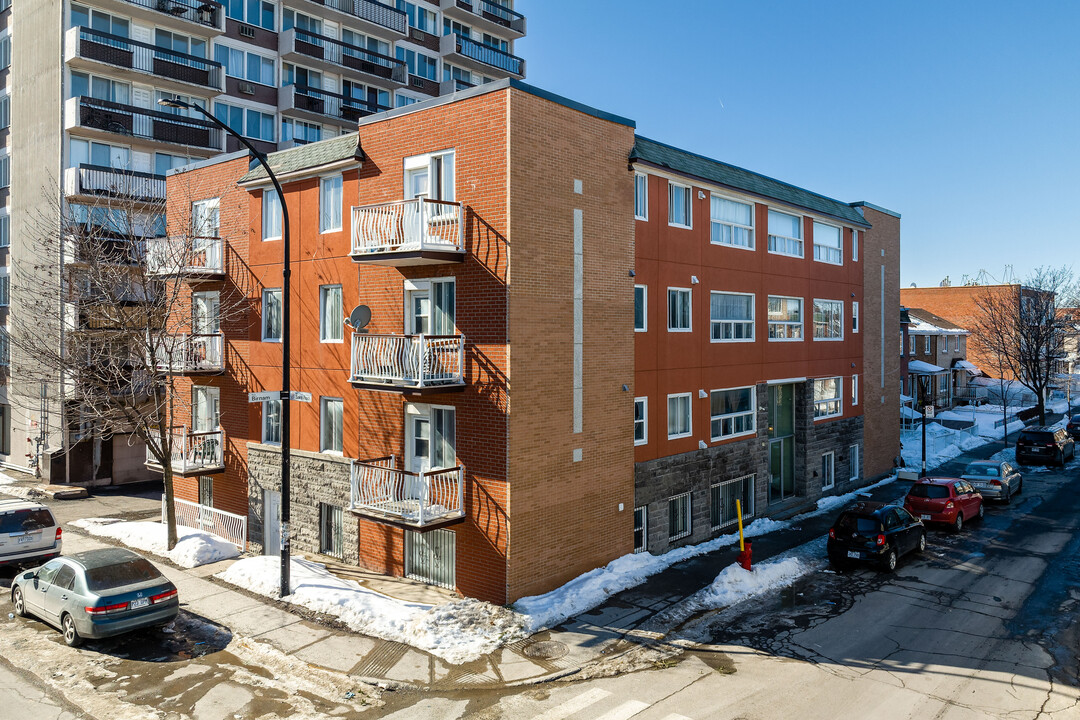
x,y
286,449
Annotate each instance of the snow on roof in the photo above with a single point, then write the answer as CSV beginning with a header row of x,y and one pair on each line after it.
x,y
965,365
906,412
924,322
923,368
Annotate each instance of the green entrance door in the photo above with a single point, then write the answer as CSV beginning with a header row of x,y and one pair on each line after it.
x,y
781,442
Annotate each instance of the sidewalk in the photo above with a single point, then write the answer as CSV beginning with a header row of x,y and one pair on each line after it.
x,y
600,635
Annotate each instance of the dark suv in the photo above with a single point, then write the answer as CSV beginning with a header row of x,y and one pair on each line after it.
x,y
874,532
1044,445
1073,428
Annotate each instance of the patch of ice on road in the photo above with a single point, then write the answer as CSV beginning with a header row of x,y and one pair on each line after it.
x,y
193,547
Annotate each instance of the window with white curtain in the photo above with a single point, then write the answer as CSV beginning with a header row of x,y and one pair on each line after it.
x,y
271,425
331,424
854,389
785,234
827,398
271,315
679,423
679,309
641,196
331,314
854,245
205,222
732,223
271,215
733,412
785,318
855,316
828,320
828,244
732,317
330,202
680,212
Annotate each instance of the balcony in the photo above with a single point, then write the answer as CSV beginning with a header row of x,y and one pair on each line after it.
x,y
198,17
414,499
168,69
194,452
191,354
485,15
374,18
410,364
100,181
408,232
482,58
107,119
191,258
317,105
332,55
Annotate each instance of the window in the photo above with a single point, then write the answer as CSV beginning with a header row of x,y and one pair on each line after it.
x,y
732,317
828,244
911,344
5,170
854,389
402,100
271,422
944,343
246,121
854,245
641,420
5,287
828,320
418,63
430,176
330,203
331,530
5,228
732,223
5,51
641,320
5,429
253,12
300,132
853,463
926,349
678,303
331,428
641,527
680,211
205,221
723,495
678,416
271,315
331,314
5,348
83,84
785,318
180,43
679,516
827,398
419,18
785,234
305,23
5,110
855,316
164,162
641,196
453,26
271,215
82,16
956,343
84,152
733,412
828,471
246,65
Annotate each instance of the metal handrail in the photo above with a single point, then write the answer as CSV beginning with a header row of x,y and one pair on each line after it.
x,y
338,50
192,352
416,224
109,180
204,12
174,255
145,123
416,497
489,55
373,12
407,360
333,103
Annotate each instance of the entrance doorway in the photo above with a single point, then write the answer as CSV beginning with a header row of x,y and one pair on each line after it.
x,y
781,442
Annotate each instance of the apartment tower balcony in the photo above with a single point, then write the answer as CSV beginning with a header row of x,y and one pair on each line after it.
x,y
194,452
485,15
309,103
477,56
168,70
191,354
416,500
96,181
112,121
194,17
408,232
192,258
367,16
334,56
409,364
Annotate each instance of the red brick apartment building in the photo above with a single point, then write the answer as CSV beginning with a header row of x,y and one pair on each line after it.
x,y
479,432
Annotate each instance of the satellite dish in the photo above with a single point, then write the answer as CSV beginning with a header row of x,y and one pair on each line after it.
x,y
359,317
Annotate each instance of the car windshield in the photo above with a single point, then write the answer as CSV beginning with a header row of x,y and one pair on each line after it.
x,y
983,471
108,577
931,492
25,520
855,523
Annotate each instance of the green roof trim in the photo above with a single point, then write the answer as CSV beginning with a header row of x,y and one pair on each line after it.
x,y
304,157
688,163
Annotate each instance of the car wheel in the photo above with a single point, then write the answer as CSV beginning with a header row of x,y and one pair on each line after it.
x,y
921,547
959,524
71,634
890,561
18,602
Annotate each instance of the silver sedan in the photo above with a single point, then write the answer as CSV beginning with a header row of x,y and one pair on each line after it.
x,y
96,594
994,480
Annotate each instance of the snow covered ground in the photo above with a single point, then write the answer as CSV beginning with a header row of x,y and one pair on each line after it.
x,y
193,547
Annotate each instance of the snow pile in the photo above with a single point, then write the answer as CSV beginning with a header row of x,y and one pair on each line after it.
x,y
193,547
834,501
458,631
735,584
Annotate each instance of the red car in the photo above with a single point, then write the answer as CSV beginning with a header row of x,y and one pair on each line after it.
x,y
951,501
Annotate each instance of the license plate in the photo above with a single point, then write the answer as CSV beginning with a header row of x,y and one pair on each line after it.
x,y
924,517
26,539
854,554
138,603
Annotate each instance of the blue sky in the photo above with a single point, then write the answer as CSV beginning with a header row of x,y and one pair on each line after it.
x,y
961,116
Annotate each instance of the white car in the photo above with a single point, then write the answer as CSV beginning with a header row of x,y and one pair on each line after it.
x,y
29,534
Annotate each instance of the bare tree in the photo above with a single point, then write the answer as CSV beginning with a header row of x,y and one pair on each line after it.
x,y
107,316
1022,330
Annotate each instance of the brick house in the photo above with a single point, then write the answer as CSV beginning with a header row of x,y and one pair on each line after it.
x,y
936,342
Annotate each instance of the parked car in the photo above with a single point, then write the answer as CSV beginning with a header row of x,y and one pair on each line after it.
x,y
950,501
29,534
994,480
874,532
96,594
1044,445
1073,427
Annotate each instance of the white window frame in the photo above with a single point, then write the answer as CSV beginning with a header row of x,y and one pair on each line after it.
x,y
956,343
714,323
750,228
688,205
641,196
206,216
644,510
266,415
751,413
435,164
267,209
912,344
926,350
854,390
854,316
747,512
776,240
330,218
854,245
837,303
689,415
853,462
829,248
689,516
644,401
5,287
689,293
265,293
944,339
788,323
324,405
824,403
828,470
5,228
644,289
324,336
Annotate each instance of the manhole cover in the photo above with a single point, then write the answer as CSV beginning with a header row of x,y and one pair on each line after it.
x,y
545,650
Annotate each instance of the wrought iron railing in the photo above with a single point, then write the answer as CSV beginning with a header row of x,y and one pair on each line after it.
x,y
418,498
87,179
144,57
402,225
347,55
412,361
90,112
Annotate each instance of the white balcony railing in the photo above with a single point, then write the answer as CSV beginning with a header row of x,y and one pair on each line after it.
x,y
184,256
408,360
405,225
194,451
417,498
191,352
227,525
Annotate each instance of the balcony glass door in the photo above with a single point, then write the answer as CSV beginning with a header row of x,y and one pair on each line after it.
x,y
430,438
205,313
781,442
205,408
431,305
